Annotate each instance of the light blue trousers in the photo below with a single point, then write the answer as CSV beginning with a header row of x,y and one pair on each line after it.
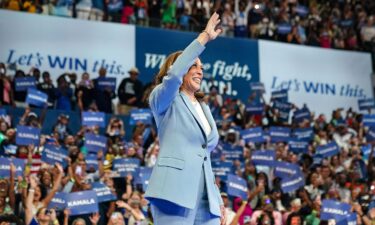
x,y
168,213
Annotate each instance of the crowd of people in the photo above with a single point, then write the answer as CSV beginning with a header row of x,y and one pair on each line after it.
x,y
345,177
329,24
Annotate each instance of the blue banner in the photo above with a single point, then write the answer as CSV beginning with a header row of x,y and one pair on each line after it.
x,y
281,96
143,177
36,98
257,87
365,104
52,154
282,105
237,186
92,162
328,150
95,143
279,134
83,202
255,108
103,192
232,152
301,114
366,151
293,183
5,166
93,119
107,82
264,157
58,201
125,166
298,146
304,134
140,115
369,120
284,28
10,149
286,170
222,169
254,135
351,219
24,83
3,112
27,135
302,10
331,209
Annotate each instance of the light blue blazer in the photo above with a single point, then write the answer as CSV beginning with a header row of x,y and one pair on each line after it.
x,y
184,147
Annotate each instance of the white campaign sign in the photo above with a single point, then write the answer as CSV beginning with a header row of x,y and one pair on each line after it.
x,y
324,79
60,45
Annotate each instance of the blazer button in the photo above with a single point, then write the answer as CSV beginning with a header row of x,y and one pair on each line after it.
x,y
204,146
205,158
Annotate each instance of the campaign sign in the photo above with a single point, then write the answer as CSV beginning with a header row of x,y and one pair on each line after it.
x,y
222,169
10,149
328,150
24,83
237,186
53,154
37,98
140,115
365,104
92,162
103,192
293,183
82,202
284,28
305,134
282,105
3,112
124,166
255,108
284,115
232,152
58,201
27,135
369,120
95,143
350,219
144,177
331,209
254,135
298,146
263,157
366,150
286,170
93,119
257,87
281,96
279,134
301,115
5,166
107,82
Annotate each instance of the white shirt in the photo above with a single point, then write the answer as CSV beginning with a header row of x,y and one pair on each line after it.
x,y
202,117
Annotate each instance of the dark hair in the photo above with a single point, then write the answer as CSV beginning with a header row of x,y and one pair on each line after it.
x,y
261,217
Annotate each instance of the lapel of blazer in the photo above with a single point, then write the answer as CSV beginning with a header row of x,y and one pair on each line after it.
x,y
192,110
209,117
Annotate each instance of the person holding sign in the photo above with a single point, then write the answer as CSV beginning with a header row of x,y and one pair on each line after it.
x,y
182,187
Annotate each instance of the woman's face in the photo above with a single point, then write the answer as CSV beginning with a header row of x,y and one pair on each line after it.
x,y
193,78
46,178
44,215
3,127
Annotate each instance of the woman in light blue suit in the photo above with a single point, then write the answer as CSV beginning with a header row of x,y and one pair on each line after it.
x,y
182,188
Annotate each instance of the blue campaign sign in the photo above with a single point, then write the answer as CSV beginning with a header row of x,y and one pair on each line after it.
x,y
279,134
257,87
255,108
237,186
107,82
144,177
24,83
10,149
83,202
36,98
27,135
225,60
282,105
92,162
293,183
263,157
222,169
58,201
232,152
53,154
281,96
140,115
298,146
284,115
366,151
365,104
103,192
328,150
3,112
301,114
302,10
351,219
254,135
331,209
370,135
369,120
93,119
125,166
95,143
303,134
284,28
286,170
5,166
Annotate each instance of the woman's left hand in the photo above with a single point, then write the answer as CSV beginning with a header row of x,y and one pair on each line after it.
x,y
223,218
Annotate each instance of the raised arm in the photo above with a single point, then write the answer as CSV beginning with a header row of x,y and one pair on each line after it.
x,y
163,94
